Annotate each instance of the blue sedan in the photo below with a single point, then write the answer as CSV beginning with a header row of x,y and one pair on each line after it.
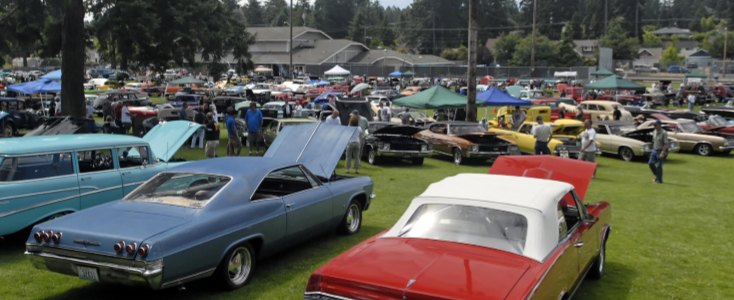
x,y
211,218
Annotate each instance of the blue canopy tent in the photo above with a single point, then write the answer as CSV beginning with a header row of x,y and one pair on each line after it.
x,y
323,99
36,87
55,75
312,81
495,97
395,74
323,82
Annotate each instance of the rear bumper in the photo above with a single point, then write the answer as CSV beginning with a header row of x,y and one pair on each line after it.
x,y
137,273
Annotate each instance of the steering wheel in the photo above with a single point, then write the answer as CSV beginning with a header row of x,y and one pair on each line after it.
x,y
98,160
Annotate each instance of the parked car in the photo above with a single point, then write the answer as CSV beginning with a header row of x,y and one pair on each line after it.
x,y
212,218
389,93
648,112
389,142
601,109
645,69
411,90
79,171
656,97
548,102
726,111
134,86
678,69
467,140
694,138
132,97
418,117
529,95
222,103
534,236
14,116
235,91
627,141
565,142
721,92
718,124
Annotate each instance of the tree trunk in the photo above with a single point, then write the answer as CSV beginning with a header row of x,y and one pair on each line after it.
x,y
72,60
471,98
113,54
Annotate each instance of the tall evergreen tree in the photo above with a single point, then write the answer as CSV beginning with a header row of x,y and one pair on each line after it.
x,y
254,13
695,25
624,47
273,11
565,54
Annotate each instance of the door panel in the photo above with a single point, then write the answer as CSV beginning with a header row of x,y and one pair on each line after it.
x,y
99,178
308,213
135,168
561,275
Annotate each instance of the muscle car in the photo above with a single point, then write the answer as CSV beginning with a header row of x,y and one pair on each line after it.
x,y
391,142
647,112
132,97
467,140
726,111
532,237
15,117
600,109
627,141
565,141
79,171
718,124
694,138
212,218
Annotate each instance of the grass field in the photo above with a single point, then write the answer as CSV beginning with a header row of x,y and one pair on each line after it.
x,y
670,241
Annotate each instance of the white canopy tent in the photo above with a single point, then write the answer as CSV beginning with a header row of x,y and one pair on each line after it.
x,y
263,69
337,71
567,74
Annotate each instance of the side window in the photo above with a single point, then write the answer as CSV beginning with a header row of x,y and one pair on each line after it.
x,y
281,183
36,167
562,226
593,107
583,106
601,107
95,160
130,157
274,126
21,105
601,129
13,105
526,129
570,210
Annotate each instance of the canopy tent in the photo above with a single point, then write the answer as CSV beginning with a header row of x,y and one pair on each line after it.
x,y
312,81
615,83
188,80
263,69
565,74
395,74
55,75
602,72
323,82
696,75
337,71
36,87
409,74
437,97
360,87
495,97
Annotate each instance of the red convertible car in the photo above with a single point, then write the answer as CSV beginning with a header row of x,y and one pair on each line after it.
x,y
530,237
718,124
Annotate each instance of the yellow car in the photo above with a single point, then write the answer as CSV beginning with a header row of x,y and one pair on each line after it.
x,y
565,142
504,115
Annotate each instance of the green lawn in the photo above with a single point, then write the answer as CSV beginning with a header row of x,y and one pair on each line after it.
x,y
670,241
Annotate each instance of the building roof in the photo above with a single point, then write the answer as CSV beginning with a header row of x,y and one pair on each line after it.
x,y
281,33
681,44
59,143
671,30
374,56
700,53
322,50
656,52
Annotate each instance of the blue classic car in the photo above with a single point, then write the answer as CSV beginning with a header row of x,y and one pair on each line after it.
x,y
211,218
237,90
45,177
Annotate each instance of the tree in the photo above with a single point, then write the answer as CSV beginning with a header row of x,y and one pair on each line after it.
x,y
576,20
505,47
545,51
624,47
650,40
334,14
484,56
672,52
386,35
698,18
566,56
253,13
716,46
273,10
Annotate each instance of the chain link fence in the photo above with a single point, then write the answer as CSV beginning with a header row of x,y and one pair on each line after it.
x,y
452,71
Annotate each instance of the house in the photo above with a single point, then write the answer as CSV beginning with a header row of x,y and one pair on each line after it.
x,y
701,58
686,47
671,31
648,56
586,48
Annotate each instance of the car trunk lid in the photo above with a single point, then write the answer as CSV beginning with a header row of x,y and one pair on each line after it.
x,y
574,172
166,137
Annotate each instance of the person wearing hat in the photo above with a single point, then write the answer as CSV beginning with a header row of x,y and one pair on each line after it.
x,y
542,133
639,120
660,144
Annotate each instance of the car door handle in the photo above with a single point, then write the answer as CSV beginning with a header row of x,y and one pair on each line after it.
x,y
289,205
126,173
86,178
579,244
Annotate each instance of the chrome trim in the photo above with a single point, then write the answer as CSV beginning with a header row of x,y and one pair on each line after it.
x,y
139,270
202,274
39,179
37,205
133,183
100,190
327,295
41,193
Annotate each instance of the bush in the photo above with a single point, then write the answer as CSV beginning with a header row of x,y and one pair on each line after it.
x,y
548,92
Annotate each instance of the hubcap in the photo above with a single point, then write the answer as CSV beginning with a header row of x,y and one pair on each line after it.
x,y
457,157
626,154
371,157
703,150
353,217
240,264
8,131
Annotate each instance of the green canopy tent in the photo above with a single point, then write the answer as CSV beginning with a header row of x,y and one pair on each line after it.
x,y
409,74
696,75
185,81
602,73
437,97
615,83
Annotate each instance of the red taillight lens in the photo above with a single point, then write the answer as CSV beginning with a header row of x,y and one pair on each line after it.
x,y
47,235
314,282
38,236
56,238
130,249
143,251
119,246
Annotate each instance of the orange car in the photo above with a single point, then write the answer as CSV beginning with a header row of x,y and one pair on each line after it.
x,y
467,140
411,90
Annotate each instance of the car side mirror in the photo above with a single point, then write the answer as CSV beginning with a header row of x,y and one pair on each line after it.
x,y
590,218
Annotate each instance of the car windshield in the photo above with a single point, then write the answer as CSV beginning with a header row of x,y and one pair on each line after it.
x,y
717,121
553,105
179,189
622,129
472,225
272,106
568,101
465,129
689,127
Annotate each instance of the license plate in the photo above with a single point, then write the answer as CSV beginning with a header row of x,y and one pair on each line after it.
x,y
406,155
564,154
88,273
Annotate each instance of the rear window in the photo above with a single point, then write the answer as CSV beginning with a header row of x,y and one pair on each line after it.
x,y
472,225
36,167
180,189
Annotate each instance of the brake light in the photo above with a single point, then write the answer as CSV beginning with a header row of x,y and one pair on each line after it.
x,y
56,237
47,235
119,246
143,251
38,236
314,282
130,249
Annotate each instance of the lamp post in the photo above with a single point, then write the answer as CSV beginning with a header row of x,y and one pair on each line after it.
x,y
384,61
290,51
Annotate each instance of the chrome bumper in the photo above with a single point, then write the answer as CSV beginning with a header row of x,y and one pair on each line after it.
x,y
138,273
486,154
400,153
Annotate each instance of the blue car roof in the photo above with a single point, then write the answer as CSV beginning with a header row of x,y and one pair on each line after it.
x,y
45,144
254,167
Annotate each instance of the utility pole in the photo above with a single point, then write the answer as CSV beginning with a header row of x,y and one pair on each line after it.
x,y
532,49
726,41
606,15
290,51
471,97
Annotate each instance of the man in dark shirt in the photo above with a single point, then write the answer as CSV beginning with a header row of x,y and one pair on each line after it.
x,y
199,118
617,114
183,115
212,136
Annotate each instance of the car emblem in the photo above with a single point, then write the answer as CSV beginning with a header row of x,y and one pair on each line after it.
x,y
87,243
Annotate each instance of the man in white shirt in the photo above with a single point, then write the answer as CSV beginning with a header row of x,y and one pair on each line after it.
x,y
588,142
691,101
127,121
518,117
334,118
383,113
542,133
298,108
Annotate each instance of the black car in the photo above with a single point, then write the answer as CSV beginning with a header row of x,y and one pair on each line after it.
x,y
648,112
132,97
726,111
64,125
224,102
14,116
390,142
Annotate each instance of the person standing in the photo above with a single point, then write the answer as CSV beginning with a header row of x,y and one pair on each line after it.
x,y
199,118
518,117
386,113
118,113
542,133
334,118
253,122
58,106
108,111
579,113
125,115
588,142
183,115
379,111
287,110
355,143
363,123
234,146
405,117
484,124
617,114
660,144
212,136
691,101
90,117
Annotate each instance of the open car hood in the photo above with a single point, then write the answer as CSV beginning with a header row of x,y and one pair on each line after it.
x,y
166,137
56,126
574,172
401,130
318,146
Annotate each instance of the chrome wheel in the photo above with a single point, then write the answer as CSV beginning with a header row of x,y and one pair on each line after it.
x,y
457,156
371,157
240,263
626,154
354,217
704,149
8,130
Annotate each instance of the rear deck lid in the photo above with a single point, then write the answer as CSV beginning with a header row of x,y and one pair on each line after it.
x,y
575,172
317,146
166,137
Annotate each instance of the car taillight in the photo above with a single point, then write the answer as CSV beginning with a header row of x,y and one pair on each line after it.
x,y
130,249
56,237
143,251
119,246
314,283
38,236
47,235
